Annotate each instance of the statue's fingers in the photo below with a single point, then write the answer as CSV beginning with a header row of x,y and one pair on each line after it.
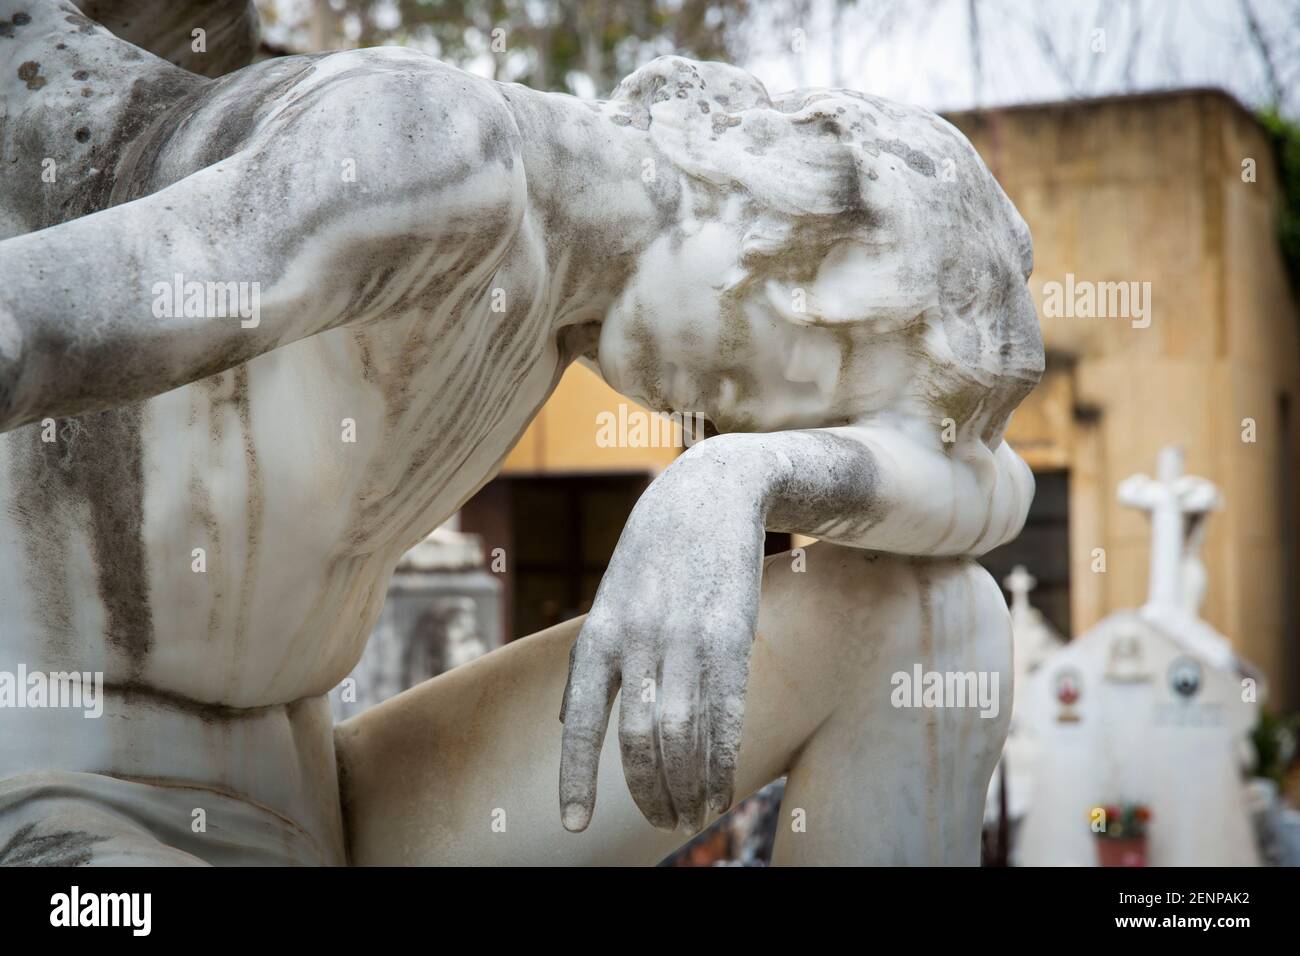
x,y
681,736
568,681
639,741
725,682
593,681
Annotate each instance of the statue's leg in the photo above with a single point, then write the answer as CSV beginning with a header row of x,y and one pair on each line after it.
x,y
464,768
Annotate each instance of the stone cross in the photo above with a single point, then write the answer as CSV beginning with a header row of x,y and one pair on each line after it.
x,y
1176,503
1019,583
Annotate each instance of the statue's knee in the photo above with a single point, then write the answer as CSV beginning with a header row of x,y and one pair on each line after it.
x,y
865,616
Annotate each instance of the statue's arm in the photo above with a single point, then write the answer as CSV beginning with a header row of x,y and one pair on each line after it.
x,y
82,325
88,318
675,614
881,487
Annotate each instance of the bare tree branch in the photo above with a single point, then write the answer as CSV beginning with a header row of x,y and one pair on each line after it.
x,y
1265,52
1135,44
1042,34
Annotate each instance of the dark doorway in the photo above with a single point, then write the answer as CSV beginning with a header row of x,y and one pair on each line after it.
x,y
557,534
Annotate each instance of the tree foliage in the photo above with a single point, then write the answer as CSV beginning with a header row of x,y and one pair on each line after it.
x,y
1286,147
576,46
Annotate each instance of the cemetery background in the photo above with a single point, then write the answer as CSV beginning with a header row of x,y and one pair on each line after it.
x,y
1179,193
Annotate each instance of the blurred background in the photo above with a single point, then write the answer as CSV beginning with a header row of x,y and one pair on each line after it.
x,y
943,54
1144,141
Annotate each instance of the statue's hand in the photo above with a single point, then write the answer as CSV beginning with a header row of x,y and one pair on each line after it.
x,y
672,623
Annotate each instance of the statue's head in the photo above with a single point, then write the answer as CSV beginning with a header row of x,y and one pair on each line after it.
x,y
833,255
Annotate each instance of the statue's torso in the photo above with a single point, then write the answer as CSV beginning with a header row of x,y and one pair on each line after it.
x,y
302,476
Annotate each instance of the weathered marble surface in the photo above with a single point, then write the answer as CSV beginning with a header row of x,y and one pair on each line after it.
x,y
868,782
848,304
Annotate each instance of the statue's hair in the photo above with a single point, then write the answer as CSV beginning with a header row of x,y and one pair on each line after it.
x,y
893,191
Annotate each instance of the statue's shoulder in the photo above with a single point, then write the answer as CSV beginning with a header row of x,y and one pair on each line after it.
x,y
403,113
384,82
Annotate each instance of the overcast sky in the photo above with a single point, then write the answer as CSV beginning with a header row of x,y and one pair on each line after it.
x,y
924,54
920,51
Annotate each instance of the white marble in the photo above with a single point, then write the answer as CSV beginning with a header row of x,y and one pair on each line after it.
x,y
834,280
868,782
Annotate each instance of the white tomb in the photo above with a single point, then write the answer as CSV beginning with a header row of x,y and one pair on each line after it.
x,y
1149,707
1034,640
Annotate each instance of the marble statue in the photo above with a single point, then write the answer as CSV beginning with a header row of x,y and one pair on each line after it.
x,y
1150,706
260,334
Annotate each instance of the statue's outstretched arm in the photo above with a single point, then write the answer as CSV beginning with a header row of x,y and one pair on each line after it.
x,y
674,617
319,224
90,315
888,488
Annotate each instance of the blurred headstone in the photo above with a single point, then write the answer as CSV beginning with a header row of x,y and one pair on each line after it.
x,y
1289,836
443,610
1266,813
1034,642
1150,708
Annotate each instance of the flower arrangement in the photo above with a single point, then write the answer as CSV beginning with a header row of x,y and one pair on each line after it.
x,y
1118,821
1121,829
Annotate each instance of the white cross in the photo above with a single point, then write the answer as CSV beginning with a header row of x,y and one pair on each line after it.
x,y
1019,583
1169,498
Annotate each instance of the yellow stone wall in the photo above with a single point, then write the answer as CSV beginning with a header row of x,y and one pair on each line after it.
x,y
562,438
